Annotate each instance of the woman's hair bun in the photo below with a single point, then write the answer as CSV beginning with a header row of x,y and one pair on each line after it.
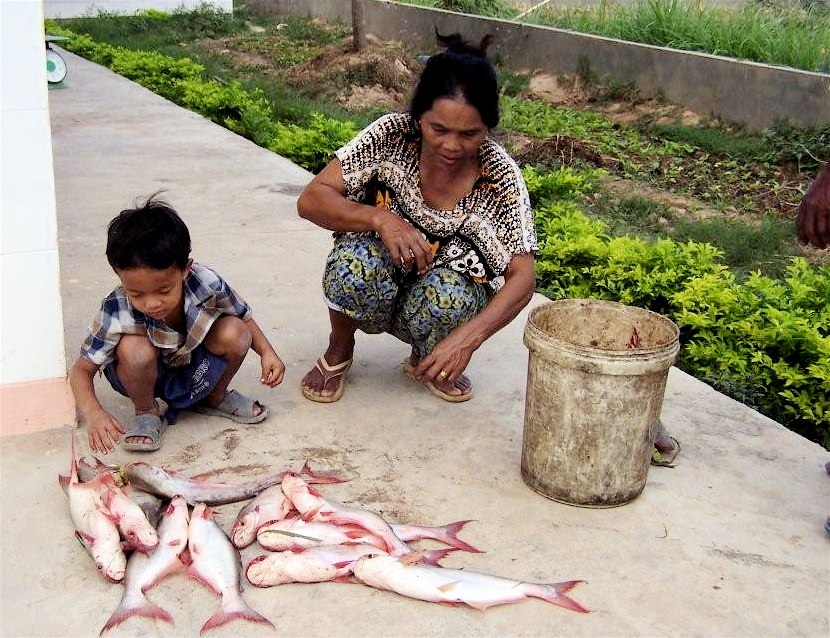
x,y
454,43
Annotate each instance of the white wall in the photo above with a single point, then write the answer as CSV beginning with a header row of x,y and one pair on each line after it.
x,y
31,322
76,8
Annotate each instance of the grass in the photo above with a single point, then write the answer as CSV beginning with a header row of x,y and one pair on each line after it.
x,y
768,31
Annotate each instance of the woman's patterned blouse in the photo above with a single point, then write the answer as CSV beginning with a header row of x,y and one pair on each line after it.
x,y
479,236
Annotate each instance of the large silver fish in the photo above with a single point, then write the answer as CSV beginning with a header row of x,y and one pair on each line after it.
x,y
317,564
270,505
145,570
166,483
217,565
94,526
150,504
287,532
314,506
456,586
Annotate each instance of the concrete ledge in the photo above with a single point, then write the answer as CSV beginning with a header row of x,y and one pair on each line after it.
x,y
33,406
757,95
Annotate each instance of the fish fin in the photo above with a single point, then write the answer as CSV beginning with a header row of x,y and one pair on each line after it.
x,y
193,574
309,514
310,476
314,492
147,609
449,603
84,537
343,563
174,567
223,616
476,605
434,555
412,557
446,587
63,481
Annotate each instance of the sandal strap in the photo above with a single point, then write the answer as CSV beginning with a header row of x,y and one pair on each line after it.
x,y
329,372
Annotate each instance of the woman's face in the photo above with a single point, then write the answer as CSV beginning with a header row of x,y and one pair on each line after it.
x,y
452,131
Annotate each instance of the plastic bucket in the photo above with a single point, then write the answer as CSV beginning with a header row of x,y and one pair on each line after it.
x,y
596,378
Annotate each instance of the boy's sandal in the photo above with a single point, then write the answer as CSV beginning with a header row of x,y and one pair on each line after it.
x,y
147,425
328,373
236,407
409,369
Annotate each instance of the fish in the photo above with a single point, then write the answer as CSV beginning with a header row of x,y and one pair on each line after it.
x,y
269,505
316,564
314,506
284,533
129,517
167,484
145,570
150,504
94,526
216,563
456,586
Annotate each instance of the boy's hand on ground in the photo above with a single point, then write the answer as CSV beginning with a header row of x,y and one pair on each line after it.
x,y
273,369
104,432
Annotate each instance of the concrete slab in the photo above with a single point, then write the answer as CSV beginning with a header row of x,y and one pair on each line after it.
x,y
728,543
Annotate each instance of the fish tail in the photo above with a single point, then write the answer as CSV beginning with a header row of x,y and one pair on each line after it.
x,y
449,534
147,608
555,593
238,610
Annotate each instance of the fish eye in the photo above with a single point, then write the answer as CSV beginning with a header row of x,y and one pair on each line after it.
x,y
100,567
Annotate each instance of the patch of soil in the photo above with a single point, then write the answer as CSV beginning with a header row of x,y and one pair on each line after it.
x,y
382,75
623,105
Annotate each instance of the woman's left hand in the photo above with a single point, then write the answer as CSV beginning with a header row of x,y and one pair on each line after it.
x,y
448,359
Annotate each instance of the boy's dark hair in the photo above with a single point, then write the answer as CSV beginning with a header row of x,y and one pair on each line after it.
x,y
464,70
151,235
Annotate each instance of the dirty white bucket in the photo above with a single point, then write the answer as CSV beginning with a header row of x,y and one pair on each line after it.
x,y
596,378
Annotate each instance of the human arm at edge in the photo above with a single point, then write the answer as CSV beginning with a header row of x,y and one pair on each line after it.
x,y
273,368
103,429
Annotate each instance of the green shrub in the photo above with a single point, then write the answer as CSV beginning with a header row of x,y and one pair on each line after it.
x,y
764,342
312,147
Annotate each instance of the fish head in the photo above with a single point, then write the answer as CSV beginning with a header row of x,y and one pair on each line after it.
x,y
143,537
370,569
111,563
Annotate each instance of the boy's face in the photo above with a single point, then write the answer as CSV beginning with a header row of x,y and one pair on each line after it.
x,y
157,293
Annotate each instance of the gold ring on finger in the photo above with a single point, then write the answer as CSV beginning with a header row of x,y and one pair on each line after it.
x,y
443,374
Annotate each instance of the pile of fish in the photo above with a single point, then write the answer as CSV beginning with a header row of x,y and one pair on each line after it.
x,y
308,539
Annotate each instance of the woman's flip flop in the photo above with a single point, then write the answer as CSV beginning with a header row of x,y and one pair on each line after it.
x,y
328,373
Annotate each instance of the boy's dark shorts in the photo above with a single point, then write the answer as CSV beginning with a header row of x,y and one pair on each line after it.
x,y
180,387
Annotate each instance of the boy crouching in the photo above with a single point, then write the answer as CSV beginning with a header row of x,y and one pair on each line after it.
x,y
173,330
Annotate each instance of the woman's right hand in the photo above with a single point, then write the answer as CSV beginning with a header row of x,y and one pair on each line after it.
x,y
103,431
406,244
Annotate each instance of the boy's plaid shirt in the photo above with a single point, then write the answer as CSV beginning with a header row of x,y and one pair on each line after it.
x,y
206,298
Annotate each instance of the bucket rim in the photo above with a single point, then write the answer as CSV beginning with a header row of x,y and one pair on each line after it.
x,y
668,346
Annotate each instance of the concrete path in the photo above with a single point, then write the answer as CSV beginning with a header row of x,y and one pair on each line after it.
x,y
728,543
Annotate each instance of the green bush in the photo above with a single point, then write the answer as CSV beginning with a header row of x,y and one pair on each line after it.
x,y
313,146
764,342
